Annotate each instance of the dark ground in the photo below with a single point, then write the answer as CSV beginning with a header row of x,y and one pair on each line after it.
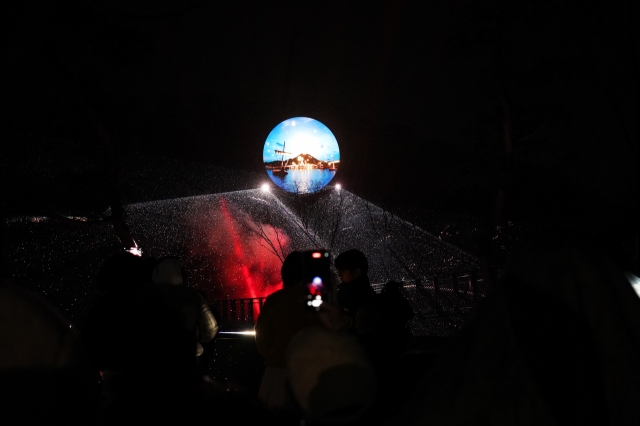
x,y
235,364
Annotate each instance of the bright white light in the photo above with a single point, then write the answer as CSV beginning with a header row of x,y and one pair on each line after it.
x,y
265,187
136,251
315,303
338,187
635,282
245,333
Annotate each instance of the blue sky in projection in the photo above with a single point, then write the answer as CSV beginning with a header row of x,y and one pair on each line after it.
x,y
301,135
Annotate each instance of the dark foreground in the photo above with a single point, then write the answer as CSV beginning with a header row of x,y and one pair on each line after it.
x,y
235,363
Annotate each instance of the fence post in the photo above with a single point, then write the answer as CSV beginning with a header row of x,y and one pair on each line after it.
x,y
252,302
243,311
234,310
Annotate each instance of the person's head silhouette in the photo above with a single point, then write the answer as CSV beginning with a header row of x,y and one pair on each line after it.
x,y
351,265
292,269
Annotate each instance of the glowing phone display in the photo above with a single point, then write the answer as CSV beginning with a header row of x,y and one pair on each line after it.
x,y
316,278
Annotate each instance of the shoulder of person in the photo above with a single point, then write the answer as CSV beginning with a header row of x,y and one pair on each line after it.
x,y
273,298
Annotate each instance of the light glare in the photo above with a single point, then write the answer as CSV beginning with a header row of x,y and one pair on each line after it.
x,y
245,333
136,251
634,281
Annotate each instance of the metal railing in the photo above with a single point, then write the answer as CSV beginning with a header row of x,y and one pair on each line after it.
x,y
238,313
445,295
433,297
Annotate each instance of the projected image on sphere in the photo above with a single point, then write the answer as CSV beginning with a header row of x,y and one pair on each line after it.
x,y
301,155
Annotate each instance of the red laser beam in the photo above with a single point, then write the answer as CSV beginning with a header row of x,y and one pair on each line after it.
x,y
235,261
237,248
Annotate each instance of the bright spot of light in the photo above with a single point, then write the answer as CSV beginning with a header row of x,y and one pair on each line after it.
x,y
635,282
244,333
338,187
265,187
315,302
136,251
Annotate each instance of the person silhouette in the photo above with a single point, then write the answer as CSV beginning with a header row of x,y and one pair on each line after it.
x,y
190,308
397,309
282,316
355,294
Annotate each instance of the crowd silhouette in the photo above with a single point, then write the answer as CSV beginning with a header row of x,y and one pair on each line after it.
x,y
556,341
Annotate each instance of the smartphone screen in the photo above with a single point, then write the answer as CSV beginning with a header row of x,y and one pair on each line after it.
x,y
316,276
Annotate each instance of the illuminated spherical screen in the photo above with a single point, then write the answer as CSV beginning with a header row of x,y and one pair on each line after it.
x,y
301,155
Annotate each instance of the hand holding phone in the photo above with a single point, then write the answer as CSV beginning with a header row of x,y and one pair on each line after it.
x,y
316,278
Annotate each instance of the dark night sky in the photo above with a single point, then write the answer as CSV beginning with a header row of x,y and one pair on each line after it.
x,y
415,93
